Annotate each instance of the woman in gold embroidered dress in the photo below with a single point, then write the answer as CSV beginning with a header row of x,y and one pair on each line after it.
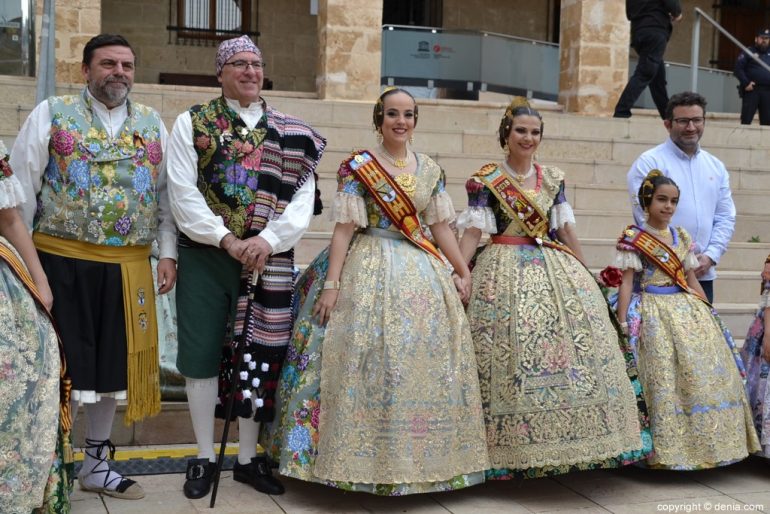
x,y
398,411
699,413
33,476
558,386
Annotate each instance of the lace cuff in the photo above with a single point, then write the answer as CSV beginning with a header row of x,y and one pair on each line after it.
x,y
627,260
482,218
347,208
11,193
764,300
439,209
561,214
690,262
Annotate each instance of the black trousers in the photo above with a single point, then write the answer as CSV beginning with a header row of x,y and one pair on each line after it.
x,y
88,309
708,288
758,98
650,45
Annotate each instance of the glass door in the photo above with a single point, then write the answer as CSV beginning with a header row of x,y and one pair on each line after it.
x,y
17,41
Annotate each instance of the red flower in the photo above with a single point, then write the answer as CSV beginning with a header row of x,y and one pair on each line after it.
x,y
611,277
5,168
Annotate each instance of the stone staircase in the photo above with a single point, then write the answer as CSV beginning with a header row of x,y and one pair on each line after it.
x,y
594,152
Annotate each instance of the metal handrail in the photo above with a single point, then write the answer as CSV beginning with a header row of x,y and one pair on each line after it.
x,y
696,46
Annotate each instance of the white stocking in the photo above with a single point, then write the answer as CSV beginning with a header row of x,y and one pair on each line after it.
x,y
248,432
202,399
96,471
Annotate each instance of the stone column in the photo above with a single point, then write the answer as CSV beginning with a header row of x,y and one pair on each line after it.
x,y
594,45
350,48
77,21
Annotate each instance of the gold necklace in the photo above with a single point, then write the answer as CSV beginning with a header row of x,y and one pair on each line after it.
x,y
658,232
520,177
398,163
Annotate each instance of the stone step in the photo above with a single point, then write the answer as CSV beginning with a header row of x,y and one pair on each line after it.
x,y
459,166
591,223
616,198
608,224
171,426
744,257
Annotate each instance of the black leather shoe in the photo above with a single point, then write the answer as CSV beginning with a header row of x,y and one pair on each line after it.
x,y
198,478
258,475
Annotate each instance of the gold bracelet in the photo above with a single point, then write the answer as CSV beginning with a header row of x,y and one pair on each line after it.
x,y
332,284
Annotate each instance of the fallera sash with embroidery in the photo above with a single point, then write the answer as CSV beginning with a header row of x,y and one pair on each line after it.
x,y
522,209
393,201
658,252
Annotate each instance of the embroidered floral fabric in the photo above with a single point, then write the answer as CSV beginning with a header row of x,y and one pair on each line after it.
x,y
96,188
11,192
31,471
558,386
757,369
394,409
699,414
229,159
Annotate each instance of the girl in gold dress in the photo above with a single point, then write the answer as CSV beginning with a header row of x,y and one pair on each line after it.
x,y
557,384
379,392
699,413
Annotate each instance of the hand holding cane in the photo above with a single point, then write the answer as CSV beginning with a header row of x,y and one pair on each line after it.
x,y
233,387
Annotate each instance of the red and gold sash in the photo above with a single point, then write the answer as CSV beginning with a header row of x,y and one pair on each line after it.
x,y
517,203
391,198
519,206
658,252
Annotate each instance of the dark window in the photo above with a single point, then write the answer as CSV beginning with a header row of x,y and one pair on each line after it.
x,y
212,20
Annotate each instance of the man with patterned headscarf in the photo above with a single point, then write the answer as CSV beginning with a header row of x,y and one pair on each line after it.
x,y
93,171
242,189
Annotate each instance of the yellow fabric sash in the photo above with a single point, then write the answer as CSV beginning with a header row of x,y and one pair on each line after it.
x,y
65,416
139,311
394,202
659,253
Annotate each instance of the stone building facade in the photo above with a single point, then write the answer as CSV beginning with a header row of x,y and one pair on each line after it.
x,y
336,51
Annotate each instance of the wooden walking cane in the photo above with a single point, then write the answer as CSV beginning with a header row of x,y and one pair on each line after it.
x,y
233,387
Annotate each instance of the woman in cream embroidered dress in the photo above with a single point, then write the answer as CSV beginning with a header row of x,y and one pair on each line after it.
x,y
558,386
699,413
398,411
33,476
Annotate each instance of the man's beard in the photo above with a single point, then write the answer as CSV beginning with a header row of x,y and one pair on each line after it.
x,y
106,91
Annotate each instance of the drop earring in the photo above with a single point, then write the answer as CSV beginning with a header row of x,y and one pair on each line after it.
x,y
379,135
411,140
506,150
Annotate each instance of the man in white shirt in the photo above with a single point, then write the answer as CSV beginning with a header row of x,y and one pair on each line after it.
x,y
242,189
92,169
706,209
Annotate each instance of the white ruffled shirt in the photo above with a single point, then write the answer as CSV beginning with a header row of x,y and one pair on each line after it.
x,y
191,212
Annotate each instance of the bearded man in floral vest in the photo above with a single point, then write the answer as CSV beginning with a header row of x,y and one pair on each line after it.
x,y
93,172
242,188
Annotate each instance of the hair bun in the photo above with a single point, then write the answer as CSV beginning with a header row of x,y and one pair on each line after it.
x,y
516,102
654,173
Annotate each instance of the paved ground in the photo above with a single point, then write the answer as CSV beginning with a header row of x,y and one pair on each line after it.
x,y
744,487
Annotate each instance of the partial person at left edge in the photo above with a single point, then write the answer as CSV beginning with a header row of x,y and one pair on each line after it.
x,y
95,163
35,470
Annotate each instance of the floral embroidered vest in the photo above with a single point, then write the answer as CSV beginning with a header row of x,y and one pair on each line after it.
x,y
248,177
229,159
97,189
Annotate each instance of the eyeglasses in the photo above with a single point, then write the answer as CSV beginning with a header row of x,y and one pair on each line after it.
x,y
684,122
242,65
